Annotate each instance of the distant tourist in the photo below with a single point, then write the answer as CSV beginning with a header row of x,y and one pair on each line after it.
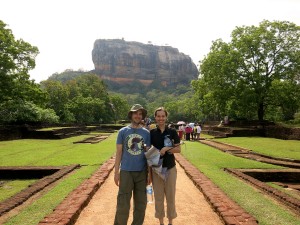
x,y
188,131
198,131
181,131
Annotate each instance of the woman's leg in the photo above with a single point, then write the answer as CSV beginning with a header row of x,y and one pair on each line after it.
x,y
159,196
170,194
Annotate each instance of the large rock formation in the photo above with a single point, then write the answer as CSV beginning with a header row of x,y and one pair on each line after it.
x,y
121,61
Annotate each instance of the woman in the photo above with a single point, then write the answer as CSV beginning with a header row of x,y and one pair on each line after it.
x,y
188,131
167,141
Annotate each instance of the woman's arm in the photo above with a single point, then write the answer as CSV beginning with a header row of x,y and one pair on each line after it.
x,y
175,149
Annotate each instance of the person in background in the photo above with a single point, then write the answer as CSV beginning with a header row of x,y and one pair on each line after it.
x,y
131,174
180,132
182,127
143,124
152,126
168,142
193,134
147,122
188,131
171,125
198,131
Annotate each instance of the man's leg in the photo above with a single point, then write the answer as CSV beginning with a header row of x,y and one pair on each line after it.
x,y
123,199
139,197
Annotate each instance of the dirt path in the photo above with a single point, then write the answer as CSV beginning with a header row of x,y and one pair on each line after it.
x,y
192,208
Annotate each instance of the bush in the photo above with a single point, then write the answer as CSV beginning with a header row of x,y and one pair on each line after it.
x,y
19,111
48,115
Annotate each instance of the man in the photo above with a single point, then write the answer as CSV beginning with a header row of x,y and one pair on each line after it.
x,y
131,172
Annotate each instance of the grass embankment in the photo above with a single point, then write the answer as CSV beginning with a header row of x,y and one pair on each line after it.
x,y
211,162
54,153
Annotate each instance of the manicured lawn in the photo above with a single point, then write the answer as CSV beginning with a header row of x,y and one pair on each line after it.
x,y
211,162
54,153
9,188
268,146
293,193
207,159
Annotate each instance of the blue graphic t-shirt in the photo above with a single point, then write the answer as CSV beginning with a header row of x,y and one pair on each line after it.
x,y
133,155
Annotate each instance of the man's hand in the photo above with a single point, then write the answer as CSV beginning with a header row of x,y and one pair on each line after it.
x,y
149,177
117,178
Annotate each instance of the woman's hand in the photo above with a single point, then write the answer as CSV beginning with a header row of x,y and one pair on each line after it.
x,y
164,150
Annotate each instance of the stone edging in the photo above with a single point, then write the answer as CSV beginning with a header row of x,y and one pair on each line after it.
x,y
282,197
67,212
25,194
228,210
249,154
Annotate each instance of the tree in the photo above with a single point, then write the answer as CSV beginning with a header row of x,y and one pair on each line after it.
x,y
17,58
239,75
21,99
83,99
58,96
286,95
119,106
88,110
90,85
19,111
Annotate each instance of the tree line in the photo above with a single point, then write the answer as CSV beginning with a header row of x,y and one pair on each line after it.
x,y
255,76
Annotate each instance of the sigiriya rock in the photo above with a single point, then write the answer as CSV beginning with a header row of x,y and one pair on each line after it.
x,y
124,62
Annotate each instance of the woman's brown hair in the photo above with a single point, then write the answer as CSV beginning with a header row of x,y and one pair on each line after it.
x,y
161,109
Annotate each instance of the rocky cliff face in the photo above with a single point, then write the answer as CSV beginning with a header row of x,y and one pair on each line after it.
x,y
121,61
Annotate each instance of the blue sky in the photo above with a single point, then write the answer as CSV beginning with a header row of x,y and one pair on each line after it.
x,y
65,30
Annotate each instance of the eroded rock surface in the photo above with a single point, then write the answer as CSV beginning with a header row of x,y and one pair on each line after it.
x,y
121,61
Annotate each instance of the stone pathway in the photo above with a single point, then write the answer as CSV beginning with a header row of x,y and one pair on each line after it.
x,y
192,207
199,201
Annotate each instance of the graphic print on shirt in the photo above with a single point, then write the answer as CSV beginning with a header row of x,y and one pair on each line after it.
x,y
167,141
135,144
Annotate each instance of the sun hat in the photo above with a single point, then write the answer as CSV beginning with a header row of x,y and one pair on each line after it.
x,y
135,108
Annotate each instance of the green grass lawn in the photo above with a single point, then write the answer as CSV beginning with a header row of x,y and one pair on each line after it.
x,y
9,188
292,193
207,159
268,146
54,153
211,162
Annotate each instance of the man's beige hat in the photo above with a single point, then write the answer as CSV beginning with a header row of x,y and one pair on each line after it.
x,y
135,108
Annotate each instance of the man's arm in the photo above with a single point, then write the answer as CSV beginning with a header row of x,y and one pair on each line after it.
x,y
149,176
117,163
